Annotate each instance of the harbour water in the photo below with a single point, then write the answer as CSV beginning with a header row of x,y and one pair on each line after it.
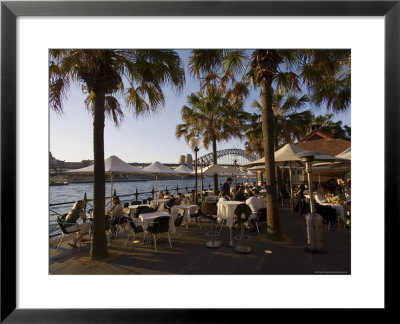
x,y
75,191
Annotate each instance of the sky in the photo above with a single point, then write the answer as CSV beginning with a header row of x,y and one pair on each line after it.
x,y
137,139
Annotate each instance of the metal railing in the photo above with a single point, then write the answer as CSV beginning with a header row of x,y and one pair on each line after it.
x,y
138,196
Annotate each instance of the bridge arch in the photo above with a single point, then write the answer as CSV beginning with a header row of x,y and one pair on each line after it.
x,y
230,154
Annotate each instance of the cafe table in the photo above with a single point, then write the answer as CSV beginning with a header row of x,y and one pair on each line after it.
x,y
226,211
187,211
148,218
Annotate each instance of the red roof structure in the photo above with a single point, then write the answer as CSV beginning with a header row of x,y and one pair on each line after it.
x,y
319,141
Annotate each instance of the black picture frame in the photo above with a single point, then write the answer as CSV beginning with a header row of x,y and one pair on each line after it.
x,y
10,10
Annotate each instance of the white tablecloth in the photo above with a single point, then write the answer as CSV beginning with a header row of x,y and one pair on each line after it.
x,y
226,210
187,210
148,218
134,207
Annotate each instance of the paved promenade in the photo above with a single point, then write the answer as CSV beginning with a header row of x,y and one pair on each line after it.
x,y
189,255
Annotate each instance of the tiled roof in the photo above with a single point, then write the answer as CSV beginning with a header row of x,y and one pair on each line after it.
x,y
329,146
315,135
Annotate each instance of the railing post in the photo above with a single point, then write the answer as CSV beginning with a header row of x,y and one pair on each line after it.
x,y
136,195
166,190
209,186
187,190
115,192
177,189
152,192
85,200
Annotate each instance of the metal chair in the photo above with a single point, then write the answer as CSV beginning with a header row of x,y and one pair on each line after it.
x,y
143,210
207,210
261,218
242,212
135,229
196,216
178,220
64,233
159,225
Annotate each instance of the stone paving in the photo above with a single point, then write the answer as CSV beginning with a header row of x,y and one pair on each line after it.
x,y
189,255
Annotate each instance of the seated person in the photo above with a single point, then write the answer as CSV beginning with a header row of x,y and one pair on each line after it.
x,y
239,194
127,210
70,224
161,194
224,197
320,199
255,202
340,195
117,213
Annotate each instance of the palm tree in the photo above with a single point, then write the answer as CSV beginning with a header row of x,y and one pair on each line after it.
x,y
325,74
136,76
212,116
327,125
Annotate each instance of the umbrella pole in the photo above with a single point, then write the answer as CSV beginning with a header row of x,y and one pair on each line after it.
x,y
182,183
156,187
111,185
291,186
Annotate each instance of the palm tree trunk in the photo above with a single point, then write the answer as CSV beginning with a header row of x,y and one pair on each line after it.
x,y
273,220
214,145
99,245
277,177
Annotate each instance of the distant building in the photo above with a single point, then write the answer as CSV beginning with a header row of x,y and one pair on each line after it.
x,y
189,161
182,159
85,163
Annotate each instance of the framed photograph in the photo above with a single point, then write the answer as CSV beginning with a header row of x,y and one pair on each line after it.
x,y
30,292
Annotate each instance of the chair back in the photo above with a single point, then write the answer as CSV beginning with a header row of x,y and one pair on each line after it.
x,y
243,212
136,228
207,208
178,220
160,225
262,215
144,210
136,202
170,203
61,224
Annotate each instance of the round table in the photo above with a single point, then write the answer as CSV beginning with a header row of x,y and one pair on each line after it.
x,y
226,210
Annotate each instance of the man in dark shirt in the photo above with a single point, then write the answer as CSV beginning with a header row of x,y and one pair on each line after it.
x,y
226,187
239,195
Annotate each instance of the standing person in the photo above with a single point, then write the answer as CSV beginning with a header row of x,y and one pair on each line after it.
x,y
226,187
70,224
255,202
301,207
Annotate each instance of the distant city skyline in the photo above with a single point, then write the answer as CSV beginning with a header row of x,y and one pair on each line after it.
x,y
143,139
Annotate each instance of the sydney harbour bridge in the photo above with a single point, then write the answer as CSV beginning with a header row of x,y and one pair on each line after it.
x,y
225,157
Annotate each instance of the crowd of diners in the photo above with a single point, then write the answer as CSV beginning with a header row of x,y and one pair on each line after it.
x,y
247,193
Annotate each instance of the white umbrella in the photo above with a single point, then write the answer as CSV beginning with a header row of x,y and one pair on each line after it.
x,y
183,169
113,165
158,168
346,154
